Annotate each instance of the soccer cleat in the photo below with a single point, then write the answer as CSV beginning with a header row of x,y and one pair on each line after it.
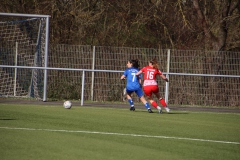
x,y
167,109
150,111
160,111
132,109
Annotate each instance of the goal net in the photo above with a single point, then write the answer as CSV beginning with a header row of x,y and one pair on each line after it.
x,y
22,43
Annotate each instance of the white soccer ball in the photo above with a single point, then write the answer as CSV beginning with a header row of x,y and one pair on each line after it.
x,y
67,104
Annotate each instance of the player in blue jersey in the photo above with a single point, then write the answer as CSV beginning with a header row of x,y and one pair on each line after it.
x,y
134,84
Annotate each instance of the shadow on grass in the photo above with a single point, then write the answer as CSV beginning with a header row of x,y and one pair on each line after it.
x,y
176,113
7,119
155,112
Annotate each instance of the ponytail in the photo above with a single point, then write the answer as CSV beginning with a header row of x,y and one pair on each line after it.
x,y
154,63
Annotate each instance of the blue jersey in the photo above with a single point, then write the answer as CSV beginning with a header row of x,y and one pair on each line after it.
x,y
132,80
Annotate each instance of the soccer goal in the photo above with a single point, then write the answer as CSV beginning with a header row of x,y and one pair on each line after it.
x,y
23,42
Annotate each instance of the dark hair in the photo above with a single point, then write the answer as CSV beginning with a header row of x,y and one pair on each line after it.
x,y
134,62
154,63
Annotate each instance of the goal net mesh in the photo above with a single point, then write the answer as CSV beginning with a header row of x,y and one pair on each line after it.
x,y
22,44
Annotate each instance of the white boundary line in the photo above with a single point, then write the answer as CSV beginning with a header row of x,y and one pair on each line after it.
x,y
121,134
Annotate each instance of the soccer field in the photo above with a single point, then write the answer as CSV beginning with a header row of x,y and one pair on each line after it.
x,y
102,133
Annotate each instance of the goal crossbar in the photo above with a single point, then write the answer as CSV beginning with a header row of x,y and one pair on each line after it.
x,y
24,15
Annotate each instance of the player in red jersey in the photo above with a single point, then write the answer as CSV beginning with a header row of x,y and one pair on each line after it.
x,y
150,85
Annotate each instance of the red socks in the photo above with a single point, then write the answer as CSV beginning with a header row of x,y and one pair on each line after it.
x,y
154,104
162,101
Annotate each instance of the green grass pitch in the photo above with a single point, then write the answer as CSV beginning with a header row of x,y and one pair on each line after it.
x,y
101,133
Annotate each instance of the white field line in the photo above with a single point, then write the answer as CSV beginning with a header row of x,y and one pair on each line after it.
x,y
121,134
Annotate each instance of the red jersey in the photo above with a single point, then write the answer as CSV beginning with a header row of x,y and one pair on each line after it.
x,y
150,76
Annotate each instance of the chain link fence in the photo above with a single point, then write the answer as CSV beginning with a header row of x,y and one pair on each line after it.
x,y
207,78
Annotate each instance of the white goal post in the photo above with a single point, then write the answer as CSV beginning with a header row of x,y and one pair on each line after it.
x,y
24,42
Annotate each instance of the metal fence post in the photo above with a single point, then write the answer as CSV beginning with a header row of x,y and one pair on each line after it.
x,y
46,60
93,67
15,74
167,75
83,83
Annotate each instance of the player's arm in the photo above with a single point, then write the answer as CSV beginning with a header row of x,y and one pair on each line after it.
x,y
164,78
138,73
123,77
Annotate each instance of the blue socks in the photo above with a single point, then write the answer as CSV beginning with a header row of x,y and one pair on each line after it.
x,y
147,105
131,102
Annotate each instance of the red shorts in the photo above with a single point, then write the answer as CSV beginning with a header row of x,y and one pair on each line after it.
x,y
148,90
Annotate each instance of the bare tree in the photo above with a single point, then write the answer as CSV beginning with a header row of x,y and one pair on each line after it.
x,y
216,28
181,24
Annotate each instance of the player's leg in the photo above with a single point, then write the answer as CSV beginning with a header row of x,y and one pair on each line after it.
x,y
130,101
162,101
148,91
124,94
140,94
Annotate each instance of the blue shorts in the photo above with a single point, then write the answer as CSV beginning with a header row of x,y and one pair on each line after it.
x,y
139,92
